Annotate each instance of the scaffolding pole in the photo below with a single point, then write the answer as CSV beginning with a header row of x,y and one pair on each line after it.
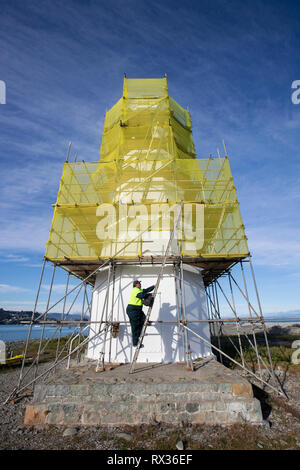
x,y
63,314
235,362
106,319
31,323
102,353
43,329
175,225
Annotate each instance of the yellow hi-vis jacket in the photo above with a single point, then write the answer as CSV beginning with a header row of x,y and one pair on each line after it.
x,y
134,300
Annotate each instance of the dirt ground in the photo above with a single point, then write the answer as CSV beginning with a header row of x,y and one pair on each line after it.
x,y
280,430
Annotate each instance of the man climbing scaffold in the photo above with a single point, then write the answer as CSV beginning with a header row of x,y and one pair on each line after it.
x,y
135,310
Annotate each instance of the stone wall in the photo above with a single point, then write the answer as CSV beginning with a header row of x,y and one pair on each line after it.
x,y
144,402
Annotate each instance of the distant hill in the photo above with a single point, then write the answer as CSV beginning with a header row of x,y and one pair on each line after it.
x,y
13,317
291,315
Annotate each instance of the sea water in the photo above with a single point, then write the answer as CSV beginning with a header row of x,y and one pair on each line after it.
x,y
20,332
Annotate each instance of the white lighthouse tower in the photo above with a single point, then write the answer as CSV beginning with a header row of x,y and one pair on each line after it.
x,y
117,215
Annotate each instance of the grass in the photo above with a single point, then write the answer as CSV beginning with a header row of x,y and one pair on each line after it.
x,y
209,438
47,355
279,346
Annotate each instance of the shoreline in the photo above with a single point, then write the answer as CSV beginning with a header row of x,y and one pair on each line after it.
x,y
284,325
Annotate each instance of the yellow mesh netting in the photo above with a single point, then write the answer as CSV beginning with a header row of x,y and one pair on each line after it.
x,y
146,120
147,160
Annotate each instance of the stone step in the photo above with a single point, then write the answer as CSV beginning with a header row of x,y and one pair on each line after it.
x,y
124,391
124,412
168,393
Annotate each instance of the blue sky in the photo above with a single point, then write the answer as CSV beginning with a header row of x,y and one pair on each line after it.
x,y
232,63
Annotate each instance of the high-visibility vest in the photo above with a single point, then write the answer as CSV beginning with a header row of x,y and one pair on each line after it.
x,y
134,300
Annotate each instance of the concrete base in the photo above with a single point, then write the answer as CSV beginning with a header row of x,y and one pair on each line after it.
x,y
166,393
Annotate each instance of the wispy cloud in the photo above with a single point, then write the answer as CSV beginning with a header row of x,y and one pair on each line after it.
x,y
275,246
28,233
63,65
59,288
13,259
8,289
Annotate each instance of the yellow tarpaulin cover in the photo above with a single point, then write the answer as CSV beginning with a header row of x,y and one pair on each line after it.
x,y
147,165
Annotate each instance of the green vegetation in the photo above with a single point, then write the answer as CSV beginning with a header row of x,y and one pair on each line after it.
x,y
279,346
201,437
47,355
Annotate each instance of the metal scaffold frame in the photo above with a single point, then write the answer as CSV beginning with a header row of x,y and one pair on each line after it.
x,y
264,375
153,153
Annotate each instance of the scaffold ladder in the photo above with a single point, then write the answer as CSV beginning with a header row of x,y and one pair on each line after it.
x,y
143,332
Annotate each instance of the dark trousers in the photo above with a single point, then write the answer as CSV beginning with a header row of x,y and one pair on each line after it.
x,y
137,319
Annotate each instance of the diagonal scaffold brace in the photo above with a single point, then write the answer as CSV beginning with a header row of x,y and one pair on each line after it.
x,y
34,320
